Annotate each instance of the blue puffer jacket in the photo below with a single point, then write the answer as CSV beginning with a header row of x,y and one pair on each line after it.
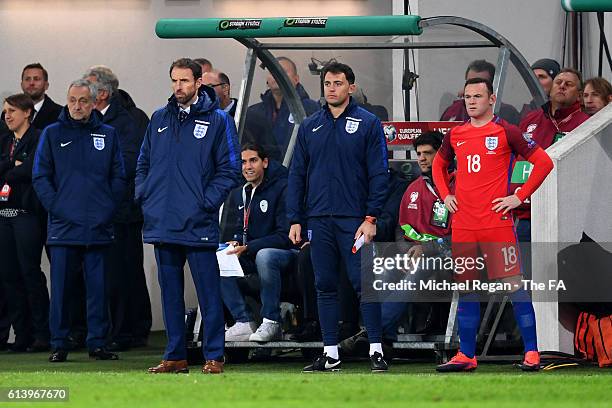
x,y
339,166
79,177
185,171
268,225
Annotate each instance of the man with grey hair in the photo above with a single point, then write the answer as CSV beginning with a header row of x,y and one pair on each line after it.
x,y
141,120
79,178
128,296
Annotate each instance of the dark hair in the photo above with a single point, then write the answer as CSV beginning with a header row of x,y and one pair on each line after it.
x,y
481,66
290,61
36,65
433,138
256,148
568,70
195,68
472,81
340,68
202,61
21,101
601,85
224,78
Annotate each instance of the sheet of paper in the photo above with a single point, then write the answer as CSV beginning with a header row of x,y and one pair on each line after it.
x,y
228,264
358,243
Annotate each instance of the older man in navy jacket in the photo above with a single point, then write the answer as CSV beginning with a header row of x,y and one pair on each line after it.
x,y
338,182
188,164
79,178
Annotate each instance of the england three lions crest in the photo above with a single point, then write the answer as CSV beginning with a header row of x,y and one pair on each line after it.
x,y
200,129
98,143
352,125
491,142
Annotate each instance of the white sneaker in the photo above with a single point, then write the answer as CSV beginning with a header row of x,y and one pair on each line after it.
x,y
241,331
268,331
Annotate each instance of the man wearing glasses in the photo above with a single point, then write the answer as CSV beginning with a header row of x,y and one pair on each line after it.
x,y
221,84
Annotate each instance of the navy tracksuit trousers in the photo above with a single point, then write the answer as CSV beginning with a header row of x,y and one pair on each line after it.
x,y
205,273
331,241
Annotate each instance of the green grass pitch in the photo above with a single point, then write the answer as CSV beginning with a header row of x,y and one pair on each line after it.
x,y
125,383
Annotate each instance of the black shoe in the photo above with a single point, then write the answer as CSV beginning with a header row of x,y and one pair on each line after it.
x,y
356,345
118,346
102,354
310,332
38,346
323,364
379,365
58,356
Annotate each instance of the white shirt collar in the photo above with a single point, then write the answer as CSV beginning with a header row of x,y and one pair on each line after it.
x,y
103,111
39,105
188,109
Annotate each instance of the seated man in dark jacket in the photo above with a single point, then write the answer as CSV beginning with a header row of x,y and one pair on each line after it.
x,y
262,244
79,178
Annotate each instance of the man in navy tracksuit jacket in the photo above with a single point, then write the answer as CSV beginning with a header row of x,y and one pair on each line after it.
x,y
188,164
79,178
338,182
262,242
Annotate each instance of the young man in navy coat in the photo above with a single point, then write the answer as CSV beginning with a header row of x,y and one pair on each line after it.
x,y
338,183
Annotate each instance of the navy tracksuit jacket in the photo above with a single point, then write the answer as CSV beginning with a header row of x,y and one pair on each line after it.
x,y
338,175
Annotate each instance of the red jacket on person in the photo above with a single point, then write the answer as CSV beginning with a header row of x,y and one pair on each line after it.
x,y
545,129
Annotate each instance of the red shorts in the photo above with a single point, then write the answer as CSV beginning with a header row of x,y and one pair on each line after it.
x,y
493,248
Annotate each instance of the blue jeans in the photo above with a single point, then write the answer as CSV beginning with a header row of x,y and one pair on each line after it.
x,y
270,262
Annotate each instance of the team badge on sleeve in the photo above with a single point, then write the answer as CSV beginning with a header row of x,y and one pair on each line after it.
x,y
351,125
98,143
199,131
491,142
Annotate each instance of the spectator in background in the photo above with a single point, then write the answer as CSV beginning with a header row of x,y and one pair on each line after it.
x,y
21,230
130,307
261,243
479,69
378,110
79,178
141,120
205,64
597,95
545,70
546,126
269,123
221,84
35,82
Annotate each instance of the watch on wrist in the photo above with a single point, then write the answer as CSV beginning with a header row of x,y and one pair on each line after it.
x,y
370,219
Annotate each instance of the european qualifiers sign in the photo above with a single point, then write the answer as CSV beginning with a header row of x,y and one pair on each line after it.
x,y
404,133
306,22
239,24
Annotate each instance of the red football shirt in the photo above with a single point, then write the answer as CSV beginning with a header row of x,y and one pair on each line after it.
x,y
485,156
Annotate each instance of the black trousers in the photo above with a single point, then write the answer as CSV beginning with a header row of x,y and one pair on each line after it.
x,y
24,283
128,296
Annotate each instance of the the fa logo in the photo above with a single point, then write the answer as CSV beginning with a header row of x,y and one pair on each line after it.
x,y
199,131
491,142
98,143
351,126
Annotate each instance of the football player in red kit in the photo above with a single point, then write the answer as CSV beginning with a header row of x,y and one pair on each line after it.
x,y
485,148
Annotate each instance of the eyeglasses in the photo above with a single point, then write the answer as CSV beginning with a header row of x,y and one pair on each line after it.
x,y
214,85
